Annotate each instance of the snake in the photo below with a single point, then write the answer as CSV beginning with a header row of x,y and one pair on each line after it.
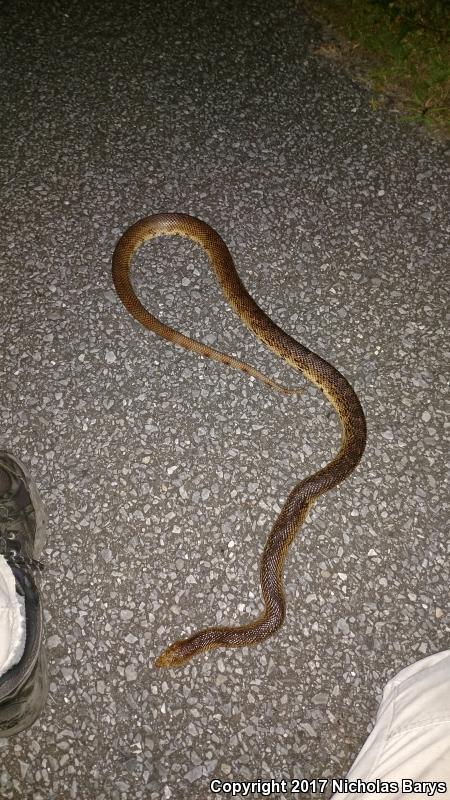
x,y
313,367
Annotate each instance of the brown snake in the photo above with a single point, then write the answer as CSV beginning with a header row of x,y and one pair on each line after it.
x,y
319,371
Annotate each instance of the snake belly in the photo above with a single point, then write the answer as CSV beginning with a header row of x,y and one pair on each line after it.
x,y
336,388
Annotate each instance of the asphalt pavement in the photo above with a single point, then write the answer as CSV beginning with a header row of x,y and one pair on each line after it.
x,y
162,472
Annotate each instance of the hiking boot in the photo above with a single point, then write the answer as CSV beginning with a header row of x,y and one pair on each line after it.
x,y
24,687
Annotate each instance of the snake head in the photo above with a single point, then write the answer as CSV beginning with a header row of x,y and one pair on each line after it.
x,y
171,657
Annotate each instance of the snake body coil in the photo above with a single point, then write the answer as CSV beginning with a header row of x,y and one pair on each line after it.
x,y
316,369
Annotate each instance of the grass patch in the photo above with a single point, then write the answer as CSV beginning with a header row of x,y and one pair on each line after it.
x,y
401,47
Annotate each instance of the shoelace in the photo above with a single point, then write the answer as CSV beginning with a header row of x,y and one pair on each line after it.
x,y
10,546
11,550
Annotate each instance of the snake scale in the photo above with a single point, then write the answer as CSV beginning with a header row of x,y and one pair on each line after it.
x,y
336,388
